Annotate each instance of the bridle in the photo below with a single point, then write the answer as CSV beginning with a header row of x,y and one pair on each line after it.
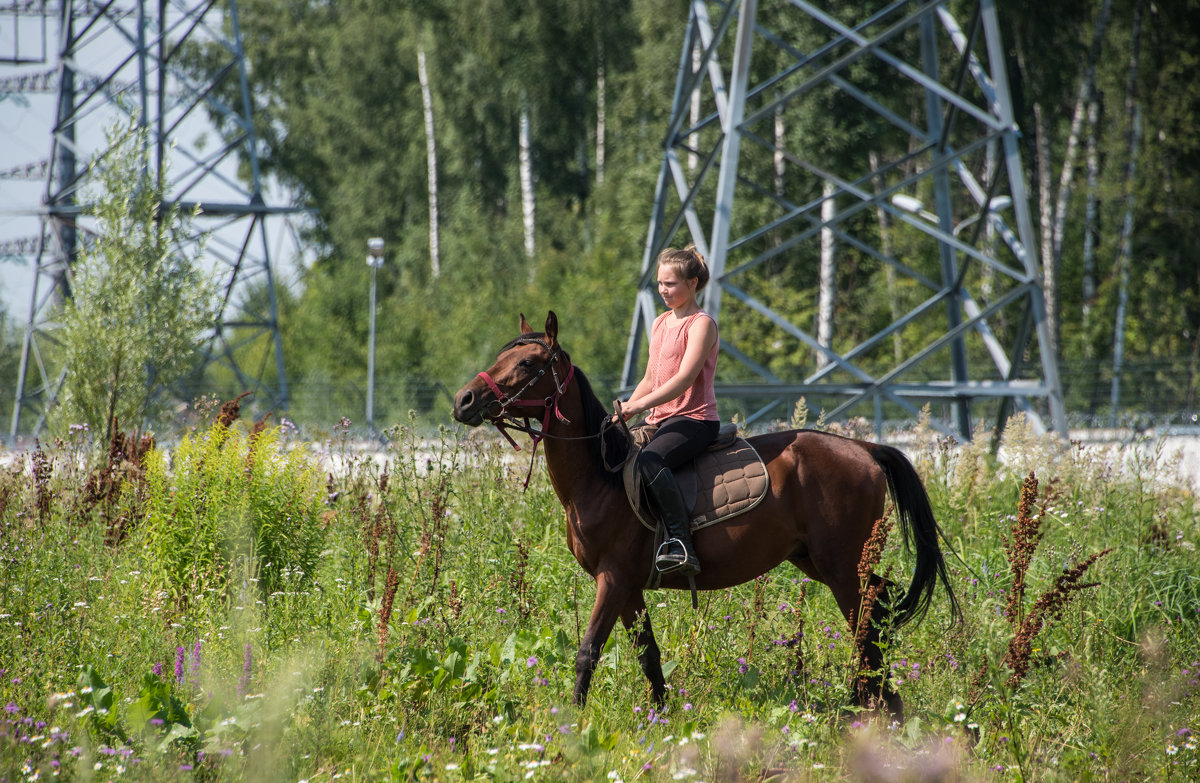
x,y
504,419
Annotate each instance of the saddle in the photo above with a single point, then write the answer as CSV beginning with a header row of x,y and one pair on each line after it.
x,y
728,479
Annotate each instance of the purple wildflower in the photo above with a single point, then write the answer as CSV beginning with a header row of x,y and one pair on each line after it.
x,y
179,665
247,667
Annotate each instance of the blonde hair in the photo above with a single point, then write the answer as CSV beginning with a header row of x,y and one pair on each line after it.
x,y
687,263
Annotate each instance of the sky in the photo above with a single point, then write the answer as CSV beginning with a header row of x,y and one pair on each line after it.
x,y
26,120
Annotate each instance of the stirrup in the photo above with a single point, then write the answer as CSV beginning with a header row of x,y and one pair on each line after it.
x,y
674,562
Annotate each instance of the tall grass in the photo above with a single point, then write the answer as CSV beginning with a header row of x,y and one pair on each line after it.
x,y
281,610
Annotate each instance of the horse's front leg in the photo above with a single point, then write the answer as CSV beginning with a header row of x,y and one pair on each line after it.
x,y
610,599
637,622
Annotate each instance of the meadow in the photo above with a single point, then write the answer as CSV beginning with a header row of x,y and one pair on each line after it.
x,y
250,605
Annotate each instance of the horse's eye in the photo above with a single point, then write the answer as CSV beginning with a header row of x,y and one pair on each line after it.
x,y
526,364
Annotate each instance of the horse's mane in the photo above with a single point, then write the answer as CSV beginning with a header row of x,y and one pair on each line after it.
x,y
610,446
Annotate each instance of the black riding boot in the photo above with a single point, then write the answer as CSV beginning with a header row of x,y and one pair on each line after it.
x,y
676,554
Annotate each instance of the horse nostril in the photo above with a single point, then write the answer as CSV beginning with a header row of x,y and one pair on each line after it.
x,y
465,398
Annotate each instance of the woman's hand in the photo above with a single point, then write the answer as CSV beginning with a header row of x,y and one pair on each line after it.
x,y
624,411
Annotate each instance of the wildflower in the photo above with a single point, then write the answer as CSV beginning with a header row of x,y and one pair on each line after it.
x,y
742,667
531,662
247,667
687,706
1172,750
179,665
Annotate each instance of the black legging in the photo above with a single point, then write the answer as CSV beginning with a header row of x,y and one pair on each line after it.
x,y
679,440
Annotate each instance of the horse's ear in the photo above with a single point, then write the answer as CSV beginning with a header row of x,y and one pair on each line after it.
x,y
525,327
552,328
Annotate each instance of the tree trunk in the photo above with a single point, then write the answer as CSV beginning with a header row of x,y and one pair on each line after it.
x,y
778,158
525,161
885,247
435,264
1082,101
825,295
693,158
1124,255
1091,228
1046,214
601,118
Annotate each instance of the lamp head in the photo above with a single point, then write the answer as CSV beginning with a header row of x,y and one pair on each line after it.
x,y
375,246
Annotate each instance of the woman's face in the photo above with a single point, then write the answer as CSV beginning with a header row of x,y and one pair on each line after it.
x,y
674,290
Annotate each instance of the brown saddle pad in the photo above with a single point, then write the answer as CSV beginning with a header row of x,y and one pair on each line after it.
x,y
728,479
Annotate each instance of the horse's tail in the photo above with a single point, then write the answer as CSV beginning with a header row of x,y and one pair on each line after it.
x,y
920,531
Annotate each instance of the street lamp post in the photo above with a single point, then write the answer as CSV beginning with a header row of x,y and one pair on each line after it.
x,y
375,247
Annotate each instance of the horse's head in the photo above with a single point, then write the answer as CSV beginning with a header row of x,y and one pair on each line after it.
x,y
531,372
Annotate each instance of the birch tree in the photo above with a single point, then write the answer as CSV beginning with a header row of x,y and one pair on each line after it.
x,y
435,264
1091,219
525,162
825,295
1052,249
1124,254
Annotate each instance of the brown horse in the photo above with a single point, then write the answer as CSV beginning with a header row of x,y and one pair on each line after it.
x,y
826,494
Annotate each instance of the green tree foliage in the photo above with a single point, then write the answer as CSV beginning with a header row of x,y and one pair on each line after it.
x,y
10,355
138,304
339,107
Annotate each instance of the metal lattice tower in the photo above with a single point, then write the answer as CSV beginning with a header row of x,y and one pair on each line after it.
x,y
747,179
114,59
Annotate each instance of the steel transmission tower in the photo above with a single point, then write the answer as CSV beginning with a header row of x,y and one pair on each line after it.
x,y
932,195
120,58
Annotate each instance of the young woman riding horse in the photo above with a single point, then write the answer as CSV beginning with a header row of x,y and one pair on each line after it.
x,y
678,392
826,492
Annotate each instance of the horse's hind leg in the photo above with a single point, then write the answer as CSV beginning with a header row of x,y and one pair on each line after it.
x,y
872,684
637,622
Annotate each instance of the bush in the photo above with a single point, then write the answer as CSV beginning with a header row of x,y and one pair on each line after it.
x,y
228,497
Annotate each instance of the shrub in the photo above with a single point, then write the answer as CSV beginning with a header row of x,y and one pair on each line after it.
x,y
230,496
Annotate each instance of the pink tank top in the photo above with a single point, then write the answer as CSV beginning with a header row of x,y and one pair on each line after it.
x,y
668,342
